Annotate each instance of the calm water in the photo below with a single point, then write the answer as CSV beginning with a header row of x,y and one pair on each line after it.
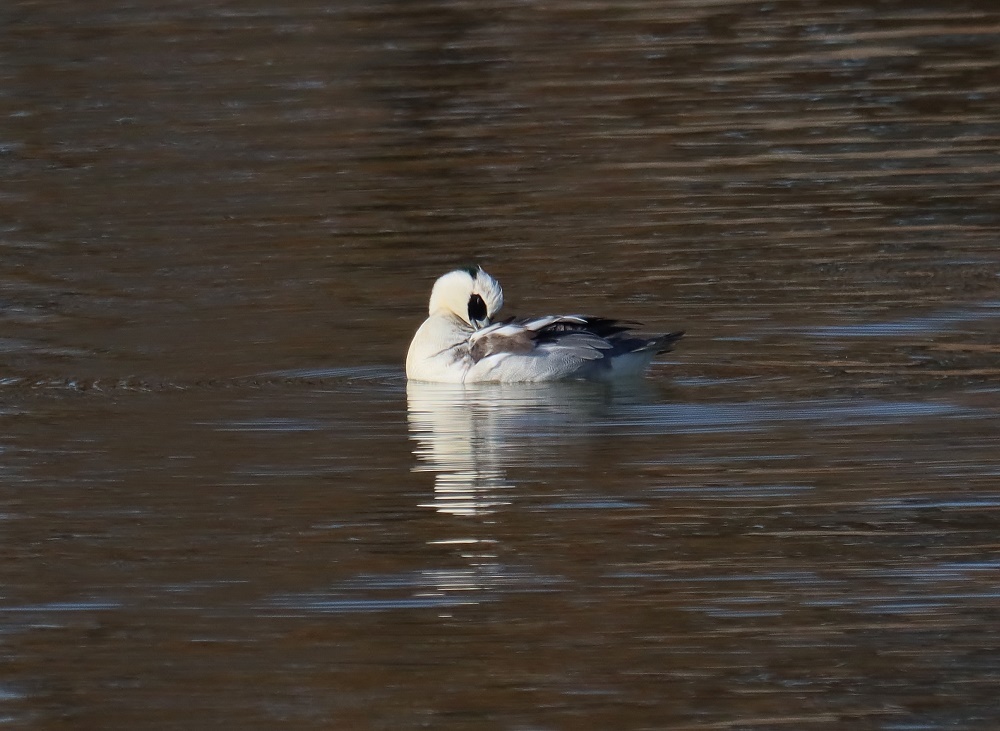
x,y
223,506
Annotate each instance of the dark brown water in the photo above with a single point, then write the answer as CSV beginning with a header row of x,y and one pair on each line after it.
x,y
221,504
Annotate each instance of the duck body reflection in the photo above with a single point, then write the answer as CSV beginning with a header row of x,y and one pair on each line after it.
x,y
469,436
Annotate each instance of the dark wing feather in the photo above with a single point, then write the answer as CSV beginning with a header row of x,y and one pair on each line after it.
x,y
580,336
609,337
602,327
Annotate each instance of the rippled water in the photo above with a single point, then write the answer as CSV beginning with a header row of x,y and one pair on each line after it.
x,y
222,504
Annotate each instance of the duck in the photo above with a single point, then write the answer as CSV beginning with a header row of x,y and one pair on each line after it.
x,y
462,341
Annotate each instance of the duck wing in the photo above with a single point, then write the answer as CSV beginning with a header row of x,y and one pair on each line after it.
x,y
574,336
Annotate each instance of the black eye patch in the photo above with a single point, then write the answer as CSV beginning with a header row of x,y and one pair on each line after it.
x,y
477,308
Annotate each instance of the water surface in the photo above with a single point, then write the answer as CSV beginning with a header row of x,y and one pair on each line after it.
x,y
222,504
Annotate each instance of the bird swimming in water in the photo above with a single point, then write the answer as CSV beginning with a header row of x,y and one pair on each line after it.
x,y
459,342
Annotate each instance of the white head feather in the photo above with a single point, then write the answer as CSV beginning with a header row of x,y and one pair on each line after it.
x,y
455,291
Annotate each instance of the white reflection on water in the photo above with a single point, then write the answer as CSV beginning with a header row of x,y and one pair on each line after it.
x,y
458,434
467,436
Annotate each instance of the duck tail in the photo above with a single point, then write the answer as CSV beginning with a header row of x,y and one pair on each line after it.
x,y
665,343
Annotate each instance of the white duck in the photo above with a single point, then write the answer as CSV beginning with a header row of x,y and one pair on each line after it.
x,y
459,343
